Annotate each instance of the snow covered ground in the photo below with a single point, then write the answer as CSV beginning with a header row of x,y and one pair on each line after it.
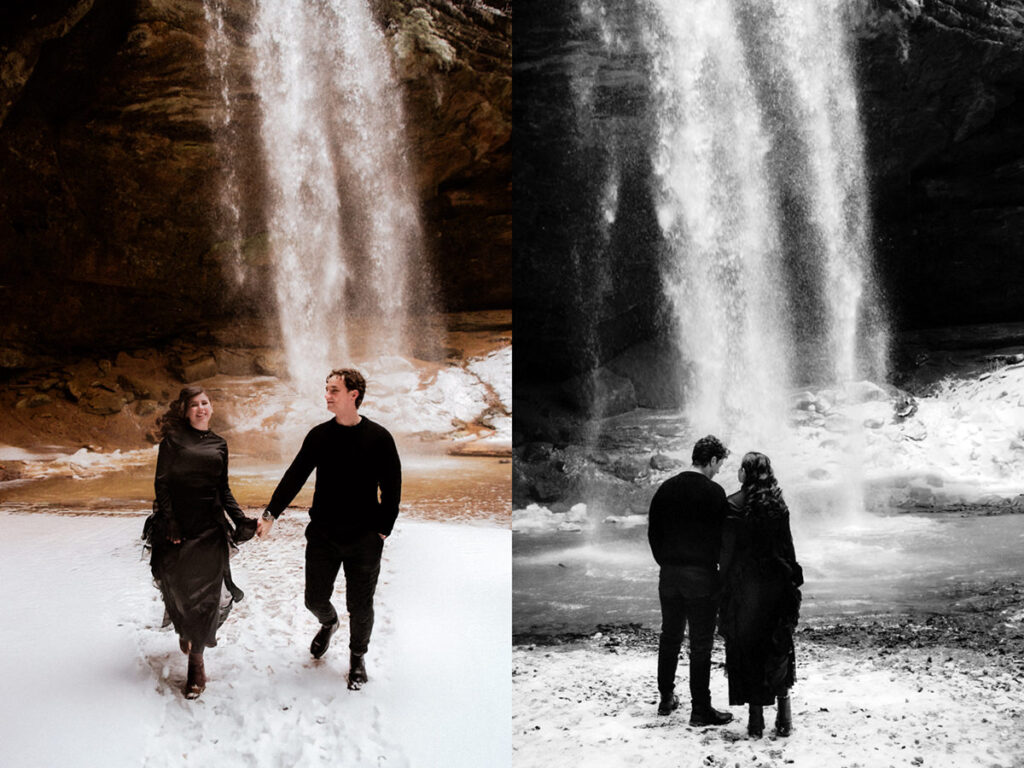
x,y
90,679
593,706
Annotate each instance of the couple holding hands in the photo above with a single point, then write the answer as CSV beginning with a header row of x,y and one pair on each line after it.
x,y
196,520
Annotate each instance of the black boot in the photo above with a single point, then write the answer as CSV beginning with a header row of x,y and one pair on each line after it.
x,y
356,671
322,640
784,717
705,714
668,704
755,721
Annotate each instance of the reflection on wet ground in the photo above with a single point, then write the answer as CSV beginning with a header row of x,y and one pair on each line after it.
x,y
436,486
566,582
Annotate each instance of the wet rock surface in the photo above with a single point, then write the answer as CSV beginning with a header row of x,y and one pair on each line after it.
x,y
112,402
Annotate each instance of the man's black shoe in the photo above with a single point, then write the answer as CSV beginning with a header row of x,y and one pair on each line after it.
x,y
668,704
356,672
322,641
701,716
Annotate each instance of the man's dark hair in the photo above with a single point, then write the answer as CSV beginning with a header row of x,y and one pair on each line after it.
x,y
708,448
353,381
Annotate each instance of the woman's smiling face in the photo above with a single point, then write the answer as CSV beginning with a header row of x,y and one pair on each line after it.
x,y
199,411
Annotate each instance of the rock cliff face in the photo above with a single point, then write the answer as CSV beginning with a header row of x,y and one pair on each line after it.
x,y
110,167
942,104
943,107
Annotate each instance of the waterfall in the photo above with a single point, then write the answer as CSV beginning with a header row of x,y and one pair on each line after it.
x,y
229,199
762,200
340,212
747,117
342,217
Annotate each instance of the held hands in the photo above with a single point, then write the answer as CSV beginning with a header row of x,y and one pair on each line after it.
x,y
264,524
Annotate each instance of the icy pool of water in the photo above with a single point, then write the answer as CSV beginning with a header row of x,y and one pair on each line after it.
x,y
573,581
435,486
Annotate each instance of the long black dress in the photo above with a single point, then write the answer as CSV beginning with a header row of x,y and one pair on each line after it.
x,y
760,600
192,497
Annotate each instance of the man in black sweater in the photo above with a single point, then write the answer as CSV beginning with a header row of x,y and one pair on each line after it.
x,y
685,532
354,458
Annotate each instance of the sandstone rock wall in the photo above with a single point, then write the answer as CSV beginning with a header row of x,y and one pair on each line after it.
x,y
110,167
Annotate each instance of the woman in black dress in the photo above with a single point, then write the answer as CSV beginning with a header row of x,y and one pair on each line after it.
x,y
760,596
191,534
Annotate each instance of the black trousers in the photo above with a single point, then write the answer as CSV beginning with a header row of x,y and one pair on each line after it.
x,y
689,596
361,561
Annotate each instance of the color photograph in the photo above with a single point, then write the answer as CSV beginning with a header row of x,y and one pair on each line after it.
x,y
255,383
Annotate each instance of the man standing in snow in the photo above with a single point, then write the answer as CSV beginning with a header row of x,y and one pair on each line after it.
x,y
355,503
684,529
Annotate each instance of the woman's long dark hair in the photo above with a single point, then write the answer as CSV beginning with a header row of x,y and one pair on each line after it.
x,y
762,492
175,420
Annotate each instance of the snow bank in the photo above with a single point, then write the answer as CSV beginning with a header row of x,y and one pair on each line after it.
x,y
962,444
538,519
407,397
85,463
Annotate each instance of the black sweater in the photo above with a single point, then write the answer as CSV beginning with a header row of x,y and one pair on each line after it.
x,y
351,464
686,519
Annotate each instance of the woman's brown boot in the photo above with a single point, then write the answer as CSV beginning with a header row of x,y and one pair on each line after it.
x,y
195,684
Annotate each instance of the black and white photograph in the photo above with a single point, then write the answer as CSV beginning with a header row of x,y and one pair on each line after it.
x,y
768,383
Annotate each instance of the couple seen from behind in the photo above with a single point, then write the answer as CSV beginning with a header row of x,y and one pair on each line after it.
x,y
196,521
728,561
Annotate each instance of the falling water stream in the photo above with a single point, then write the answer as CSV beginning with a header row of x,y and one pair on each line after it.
x,y
340,214
218,56
762,199
342,217
749,117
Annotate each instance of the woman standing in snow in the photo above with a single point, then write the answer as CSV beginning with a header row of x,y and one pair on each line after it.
x,y
190,534
760,596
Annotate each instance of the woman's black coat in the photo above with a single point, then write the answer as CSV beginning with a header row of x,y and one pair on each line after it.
x,y
193,505
760,601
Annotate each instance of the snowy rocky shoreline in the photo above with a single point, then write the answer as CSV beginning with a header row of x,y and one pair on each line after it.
x,y
872,691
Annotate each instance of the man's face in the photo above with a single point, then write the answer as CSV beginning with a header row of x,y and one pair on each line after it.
x,y
341,401
713,466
